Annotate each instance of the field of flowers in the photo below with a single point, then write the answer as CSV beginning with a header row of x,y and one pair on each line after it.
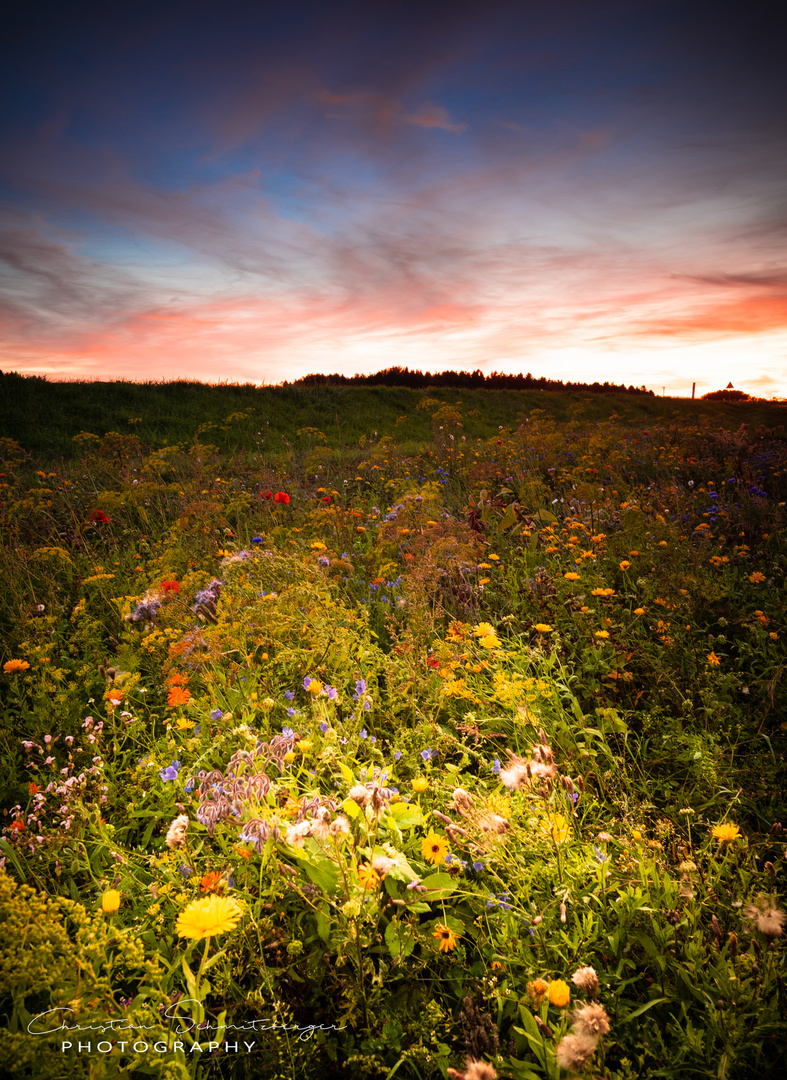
x,y
451,757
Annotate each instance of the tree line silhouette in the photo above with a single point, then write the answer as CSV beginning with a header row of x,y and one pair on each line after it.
x,y
463,380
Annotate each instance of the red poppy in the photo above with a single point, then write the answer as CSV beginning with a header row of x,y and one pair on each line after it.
x,y
266,494
432,662
98,517
326,498
170,586
281,497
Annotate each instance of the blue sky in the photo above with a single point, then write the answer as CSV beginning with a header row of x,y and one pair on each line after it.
x,y
580,190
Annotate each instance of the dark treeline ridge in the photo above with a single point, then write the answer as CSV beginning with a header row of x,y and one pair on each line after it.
x,y
462,380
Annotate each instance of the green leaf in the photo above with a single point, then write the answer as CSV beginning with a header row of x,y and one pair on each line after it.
x,y
644,1008
406,815
439,885
399,938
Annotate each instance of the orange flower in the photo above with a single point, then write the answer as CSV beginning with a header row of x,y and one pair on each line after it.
x,y
13,667
211,882
368,878
178,695
713,659
756,577
445,936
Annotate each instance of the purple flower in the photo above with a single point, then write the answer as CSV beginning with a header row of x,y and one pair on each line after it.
x,y
496,766
171,771
186,871
397,754
323,727
478,866
330,691
290,695
364,733
287,732
367,706
427,754
306,682
217,714
292,712
360,688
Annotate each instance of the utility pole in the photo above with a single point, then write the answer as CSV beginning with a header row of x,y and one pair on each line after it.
x,y
693,388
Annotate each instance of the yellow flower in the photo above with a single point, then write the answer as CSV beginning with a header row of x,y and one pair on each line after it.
x,y
483,629
625,565
12,667
368,878
543,628
725,832
182,724
756,577
495,558
557,826
304,745
713,659
571,576
559,993
290,756
484,566
484,581
636,834
639,611
434,848
110,901
446,936
208,916
490,641
317,545
602,634
419,784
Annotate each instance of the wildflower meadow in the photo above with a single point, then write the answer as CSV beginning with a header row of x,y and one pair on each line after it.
x,y
442,737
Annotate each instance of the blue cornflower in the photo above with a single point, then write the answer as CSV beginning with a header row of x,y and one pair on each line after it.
x,y
256,539
372,738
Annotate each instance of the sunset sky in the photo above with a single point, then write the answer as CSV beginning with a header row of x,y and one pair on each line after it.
x,y
580,189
